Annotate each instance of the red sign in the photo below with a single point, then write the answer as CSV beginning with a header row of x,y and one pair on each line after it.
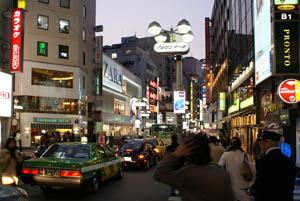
x,y
289,91
4,95
153,84
16,40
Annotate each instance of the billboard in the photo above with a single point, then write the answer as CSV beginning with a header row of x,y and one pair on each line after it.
x,y
222,101
285,2
179,102
5,95
16,40
112,74
262,40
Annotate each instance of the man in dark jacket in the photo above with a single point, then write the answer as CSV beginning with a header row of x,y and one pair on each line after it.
x,y
276,173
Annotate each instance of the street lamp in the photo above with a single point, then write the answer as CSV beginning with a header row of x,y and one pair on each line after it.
x,y
183,29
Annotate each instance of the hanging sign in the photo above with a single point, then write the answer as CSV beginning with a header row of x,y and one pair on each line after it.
x,y
289,91
16,40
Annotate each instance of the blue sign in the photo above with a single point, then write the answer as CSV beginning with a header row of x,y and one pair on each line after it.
x,y
179,102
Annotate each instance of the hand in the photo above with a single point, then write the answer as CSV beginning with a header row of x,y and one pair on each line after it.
x,y
185,148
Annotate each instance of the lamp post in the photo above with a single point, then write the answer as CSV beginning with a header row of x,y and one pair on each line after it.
x,y
173,48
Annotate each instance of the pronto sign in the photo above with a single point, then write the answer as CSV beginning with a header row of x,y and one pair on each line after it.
x,y
5,94
171,48
289,91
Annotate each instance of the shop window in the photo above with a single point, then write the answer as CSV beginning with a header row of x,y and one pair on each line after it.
x,y
64,26
119,107
42,48
63,51
52,78
44,1
84,11
64,3
43,22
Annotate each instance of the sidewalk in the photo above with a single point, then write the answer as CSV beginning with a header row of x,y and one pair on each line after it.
x,y
297,191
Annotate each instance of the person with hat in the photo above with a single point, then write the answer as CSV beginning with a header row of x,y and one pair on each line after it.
x,y
276,173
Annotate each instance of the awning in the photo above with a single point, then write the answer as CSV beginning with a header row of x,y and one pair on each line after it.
x,y
241,113
52,126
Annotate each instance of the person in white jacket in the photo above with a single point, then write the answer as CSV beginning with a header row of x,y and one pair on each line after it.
x,y
232,160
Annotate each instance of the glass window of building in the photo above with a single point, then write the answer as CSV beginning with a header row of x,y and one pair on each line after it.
x,y
44,1
119,107
63,51
64,26
128,51
64,3
52,78
43,22
84,11
114,55
42,48
83,58
83,82
83,34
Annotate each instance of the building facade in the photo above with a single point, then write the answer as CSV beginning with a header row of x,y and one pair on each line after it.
x,y
58,51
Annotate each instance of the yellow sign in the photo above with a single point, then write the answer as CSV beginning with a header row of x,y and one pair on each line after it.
x,y
22,4
286,7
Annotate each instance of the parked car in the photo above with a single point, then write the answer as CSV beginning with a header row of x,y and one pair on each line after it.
x,y
138,153
9,193
74,165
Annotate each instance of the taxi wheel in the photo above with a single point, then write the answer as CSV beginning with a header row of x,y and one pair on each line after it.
x,y
95,183
147,166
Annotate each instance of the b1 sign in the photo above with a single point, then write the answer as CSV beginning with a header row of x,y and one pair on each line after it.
x,y
171,48
179,102
5,94
16,40
289,91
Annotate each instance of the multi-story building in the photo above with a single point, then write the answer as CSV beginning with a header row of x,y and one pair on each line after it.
x,y
232,65
58,53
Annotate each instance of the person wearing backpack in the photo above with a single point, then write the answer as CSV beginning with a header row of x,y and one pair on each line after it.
x,y
240,168
9,157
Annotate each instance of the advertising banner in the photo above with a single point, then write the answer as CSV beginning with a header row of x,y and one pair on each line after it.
x,y
112,74
179,102
289,91
222,101
285,2
16,40
262,40
5,94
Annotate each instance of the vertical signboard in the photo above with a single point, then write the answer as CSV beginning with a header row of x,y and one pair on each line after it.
x,y
179,102
192,100
5,95
286,37
262,40
207,60
16,40
222,101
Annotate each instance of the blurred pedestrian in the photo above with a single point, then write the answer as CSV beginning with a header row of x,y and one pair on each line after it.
x,y
198,180
72,137
233,162
257,151
18,138
276,173
9,157
216,150
67,137
57,137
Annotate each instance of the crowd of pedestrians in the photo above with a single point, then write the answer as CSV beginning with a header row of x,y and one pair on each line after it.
x,y
201,169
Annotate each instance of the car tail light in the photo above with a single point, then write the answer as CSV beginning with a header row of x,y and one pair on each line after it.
x,y
70,173
156,150
128,150
30,171
141,156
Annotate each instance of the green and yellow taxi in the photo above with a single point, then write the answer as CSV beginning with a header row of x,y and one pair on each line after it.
x,y
73,165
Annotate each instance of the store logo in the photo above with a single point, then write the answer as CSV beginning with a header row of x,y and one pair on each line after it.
x,y
4,95
112,74
287,47
289,91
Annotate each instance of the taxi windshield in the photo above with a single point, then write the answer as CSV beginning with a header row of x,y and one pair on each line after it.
x,y
135,145
68,151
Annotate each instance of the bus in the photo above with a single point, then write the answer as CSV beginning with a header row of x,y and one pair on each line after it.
x,y
163,132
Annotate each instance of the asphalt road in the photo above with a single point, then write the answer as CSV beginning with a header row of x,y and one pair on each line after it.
x,y
137,185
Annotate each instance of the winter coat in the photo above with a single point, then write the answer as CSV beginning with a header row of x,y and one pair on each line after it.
x,y
216,152
9,175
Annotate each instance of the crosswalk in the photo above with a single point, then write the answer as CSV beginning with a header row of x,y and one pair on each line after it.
x,y
297,190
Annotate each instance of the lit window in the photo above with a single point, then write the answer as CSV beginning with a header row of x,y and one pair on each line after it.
x,y
42,48
43,22
119,107
63,51
84,12
63,26
83,35
114,55
65,3
128,52
44,1
51,78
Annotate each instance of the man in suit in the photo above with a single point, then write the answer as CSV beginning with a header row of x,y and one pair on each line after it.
x,y
276,173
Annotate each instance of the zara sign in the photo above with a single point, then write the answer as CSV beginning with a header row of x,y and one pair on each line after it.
x,y
112,74
5,94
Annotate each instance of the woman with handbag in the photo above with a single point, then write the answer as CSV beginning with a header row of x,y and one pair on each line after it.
x,y
240,168
9,157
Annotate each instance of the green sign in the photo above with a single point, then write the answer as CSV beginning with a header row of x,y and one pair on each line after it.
x,y
235,95
51,120
247,103
285,2
222,101
42,49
